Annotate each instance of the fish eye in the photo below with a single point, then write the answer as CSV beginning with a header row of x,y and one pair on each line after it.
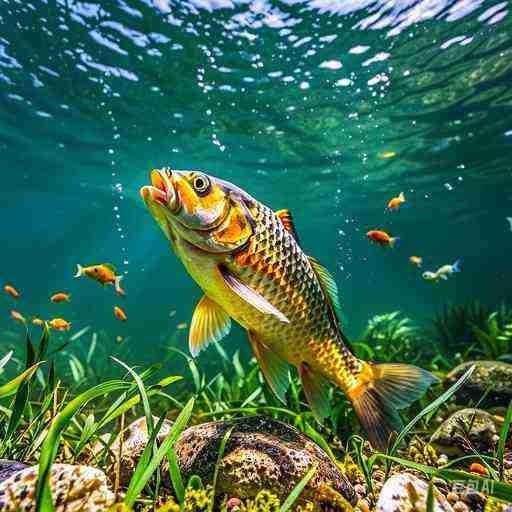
x,y
201,184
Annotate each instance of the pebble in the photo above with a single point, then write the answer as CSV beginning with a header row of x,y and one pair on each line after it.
x,y
460,506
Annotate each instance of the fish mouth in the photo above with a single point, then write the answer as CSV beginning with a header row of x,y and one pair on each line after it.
x,y
161,192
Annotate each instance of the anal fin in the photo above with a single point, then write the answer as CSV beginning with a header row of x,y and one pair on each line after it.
x,y
316,389
274,369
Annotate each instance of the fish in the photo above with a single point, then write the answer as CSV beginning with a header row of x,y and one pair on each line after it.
x,y
416,261
510,222
447,270
104,273
59,324
382,238
16,315
10,290
181,326
386,154
119,313
249,262
442,273
396,202
60,297
120,291
37,321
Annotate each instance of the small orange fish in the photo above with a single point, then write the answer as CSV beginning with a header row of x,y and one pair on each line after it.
x,y
382,238
60,297
104,273
15,315
59,324
416,261
15,294
383,155
478,469
396,202
120,313
181,326
120,291
37,321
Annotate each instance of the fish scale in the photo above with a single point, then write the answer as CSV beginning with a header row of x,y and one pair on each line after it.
x,y
274,265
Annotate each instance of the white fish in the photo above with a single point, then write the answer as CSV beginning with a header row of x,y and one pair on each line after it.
x,y
443,272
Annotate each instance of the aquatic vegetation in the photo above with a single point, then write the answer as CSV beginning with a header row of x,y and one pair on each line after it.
x,y
474,329
391,337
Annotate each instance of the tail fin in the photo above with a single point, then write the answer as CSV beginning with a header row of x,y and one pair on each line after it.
x,y
394,242
401,196
382,390
79,270
117,285
457,266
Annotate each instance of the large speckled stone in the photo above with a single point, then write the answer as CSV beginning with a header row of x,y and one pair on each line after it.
x,y
465,429
407,493
261,454
74,488
495,373
135,439
9,467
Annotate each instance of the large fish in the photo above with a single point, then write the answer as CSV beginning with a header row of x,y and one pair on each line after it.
x,y
249,263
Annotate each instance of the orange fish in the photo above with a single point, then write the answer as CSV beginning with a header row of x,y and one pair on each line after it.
x,y
104,274
382,238
37,321
120,313
60,297
12,291
478,469
416,261
396,202
59,324
120,291
181,326
15,315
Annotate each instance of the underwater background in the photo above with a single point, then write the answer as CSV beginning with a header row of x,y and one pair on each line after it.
x,y
328,108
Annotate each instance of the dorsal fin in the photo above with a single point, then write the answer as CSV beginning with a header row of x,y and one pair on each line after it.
x,y
286,218
327,283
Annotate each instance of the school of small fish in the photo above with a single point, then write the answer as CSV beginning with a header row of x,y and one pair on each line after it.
x,y
104,273
382,238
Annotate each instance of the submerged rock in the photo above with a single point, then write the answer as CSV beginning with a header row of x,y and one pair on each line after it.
x,y
135,439
261,453
465,429
74,488
405,492
9,467
487,373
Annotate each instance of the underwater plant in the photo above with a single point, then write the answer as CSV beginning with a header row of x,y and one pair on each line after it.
x,y
390,337
453,327
495,338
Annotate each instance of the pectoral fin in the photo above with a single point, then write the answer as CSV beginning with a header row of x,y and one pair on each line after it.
x,y
251,296
316,389
210,323
274,369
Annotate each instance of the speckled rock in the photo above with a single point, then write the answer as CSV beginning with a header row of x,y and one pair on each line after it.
x,y
261,453
9,467
463,429
74,488
407,493
135,440
497,373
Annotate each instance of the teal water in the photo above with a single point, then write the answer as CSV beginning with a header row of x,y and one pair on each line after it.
x,y
295,101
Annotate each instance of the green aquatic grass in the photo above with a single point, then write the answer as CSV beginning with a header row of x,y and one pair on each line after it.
x,y
292,497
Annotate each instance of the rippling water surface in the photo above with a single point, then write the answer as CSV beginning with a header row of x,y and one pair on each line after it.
x,y
326,107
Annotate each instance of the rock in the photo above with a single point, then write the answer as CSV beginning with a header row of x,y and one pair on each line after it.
x,y
497,373
463,429
9,467
135,439
405,492
261,453
74,488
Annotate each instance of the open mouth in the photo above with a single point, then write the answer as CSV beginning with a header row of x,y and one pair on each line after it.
x,y
161,189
